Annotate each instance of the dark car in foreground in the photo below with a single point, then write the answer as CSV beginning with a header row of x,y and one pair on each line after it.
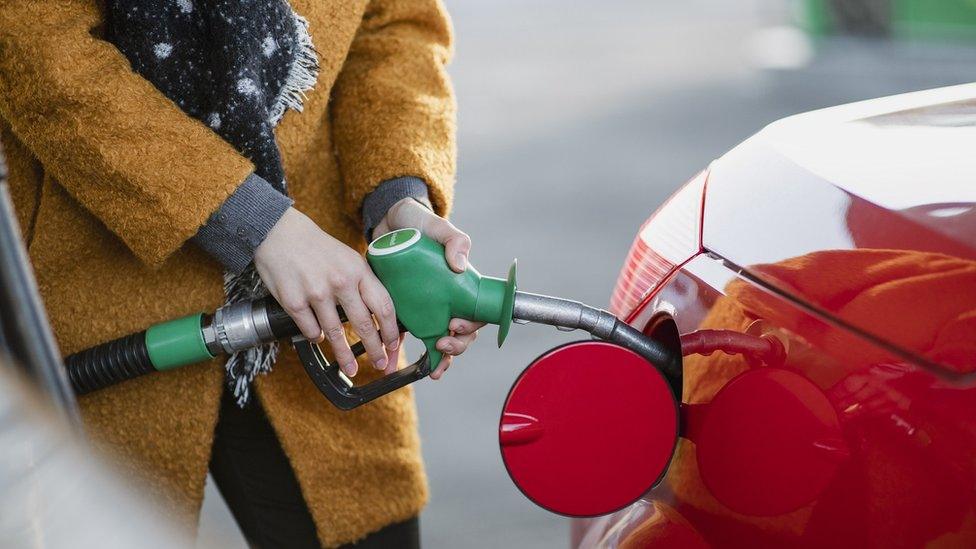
x,y
848,237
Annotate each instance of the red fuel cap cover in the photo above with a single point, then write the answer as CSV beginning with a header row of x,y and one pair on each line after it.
x,y
769,443
588,428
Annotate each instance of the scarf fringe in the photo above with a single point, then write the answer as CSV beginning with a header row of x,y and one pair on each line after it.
x,y
244,366
259,359
302,75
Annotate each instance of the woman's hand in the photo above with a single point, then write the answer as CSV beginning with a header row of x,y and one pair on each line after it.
x,y
309,273
410,213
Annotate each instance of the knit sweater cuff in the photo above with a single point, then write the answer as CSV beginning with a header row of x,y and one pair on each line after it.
x,y
388,193
242,222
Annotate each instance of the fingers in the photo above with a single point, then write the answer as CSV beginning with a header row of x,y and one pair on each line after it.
x,y
379,302
325,310
301,313
308,271
362,324
394,358
410,213
455,345
461,326
442,367
457,245
464,333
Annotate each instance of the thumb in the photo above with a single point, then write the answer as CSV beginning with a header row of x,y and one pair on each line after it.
x,y
457,245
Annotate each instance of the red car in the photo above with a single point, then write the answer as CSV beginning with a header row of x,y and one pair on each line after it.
x,y
822,278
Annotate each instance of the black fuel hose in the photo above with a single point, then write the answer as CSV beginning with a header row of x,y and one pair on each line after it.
x,y
109,363
653,351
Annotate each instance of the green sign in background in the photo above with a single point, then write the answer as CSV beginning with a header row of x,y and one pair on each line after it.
x,y
930,20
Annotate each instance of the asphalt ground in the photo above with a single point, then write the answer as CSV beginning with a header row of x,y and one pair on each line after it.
x,y
577,119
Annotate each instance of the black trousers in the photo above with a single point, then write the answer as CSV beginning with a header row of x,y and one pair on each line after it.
x,y
258,484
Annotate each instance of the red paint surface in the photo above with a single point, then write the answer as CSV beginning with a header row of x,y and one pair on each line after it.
x,y
644,524
588,428
862,261
853,240
901,471
773,428
518,429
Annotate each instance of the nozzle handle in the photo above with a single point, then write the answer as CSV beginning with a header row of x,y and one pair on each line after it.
x,y
328,377
427,294
339,389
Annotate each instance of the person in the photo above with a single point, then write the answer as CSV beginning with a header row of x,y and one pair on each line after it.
x,y
167,157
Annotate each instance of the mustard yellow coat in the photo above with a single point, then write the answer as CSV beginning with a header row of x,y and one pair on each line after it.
x,y
110,179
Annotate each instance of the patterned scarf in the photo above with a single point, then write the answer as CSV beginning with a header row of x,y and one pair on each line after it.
x,y
235,65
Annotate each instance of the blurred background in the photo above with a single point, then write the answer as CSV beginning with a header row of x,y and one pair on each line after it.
x,y
577,119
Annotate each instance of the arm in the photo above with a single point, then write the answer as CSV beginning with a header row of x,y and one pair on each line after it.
x,y
148,171
243,221
393,117
393,108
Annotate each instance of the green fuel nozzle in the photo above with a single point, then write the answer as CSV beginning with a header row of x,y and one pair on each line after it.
x,y
426,293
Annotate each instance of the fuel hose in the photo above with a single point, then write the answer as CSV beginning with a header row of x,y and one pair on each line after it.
x,y
186,340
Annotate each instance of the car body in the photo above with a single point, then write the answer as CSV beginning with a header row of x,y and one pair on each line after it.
x,y
848,235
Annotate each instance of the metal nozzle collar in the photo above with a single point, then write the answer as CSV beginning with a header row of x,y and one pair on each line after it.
x,y
241,326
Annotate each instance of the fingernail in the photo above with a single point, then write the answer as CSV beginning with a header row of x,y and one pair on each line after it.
x,y
351,369
394,345
462,261
380,364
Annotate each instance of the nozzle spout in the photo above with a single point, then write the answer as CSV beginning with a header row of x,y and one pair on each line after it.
x,y
569,314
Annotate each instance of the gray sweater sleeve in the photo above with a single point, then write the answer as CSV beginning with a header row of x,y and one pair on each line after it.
x,y
242,222
388,193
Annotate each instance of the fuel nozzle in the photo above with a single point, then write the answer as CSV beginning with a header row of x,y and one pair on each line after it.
x,y
428,294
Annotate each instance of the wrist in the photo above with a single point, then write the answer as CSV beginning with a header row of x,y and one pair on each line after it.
x,y
408,202
278,232
377,204
240,225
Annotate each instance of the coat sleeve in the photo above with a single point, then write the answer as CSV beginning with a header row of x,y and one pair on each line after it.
x,y
393,109
148,171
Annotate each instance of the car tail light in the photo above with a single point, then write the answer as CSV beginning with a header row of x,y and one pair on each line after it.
x,y
668,239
